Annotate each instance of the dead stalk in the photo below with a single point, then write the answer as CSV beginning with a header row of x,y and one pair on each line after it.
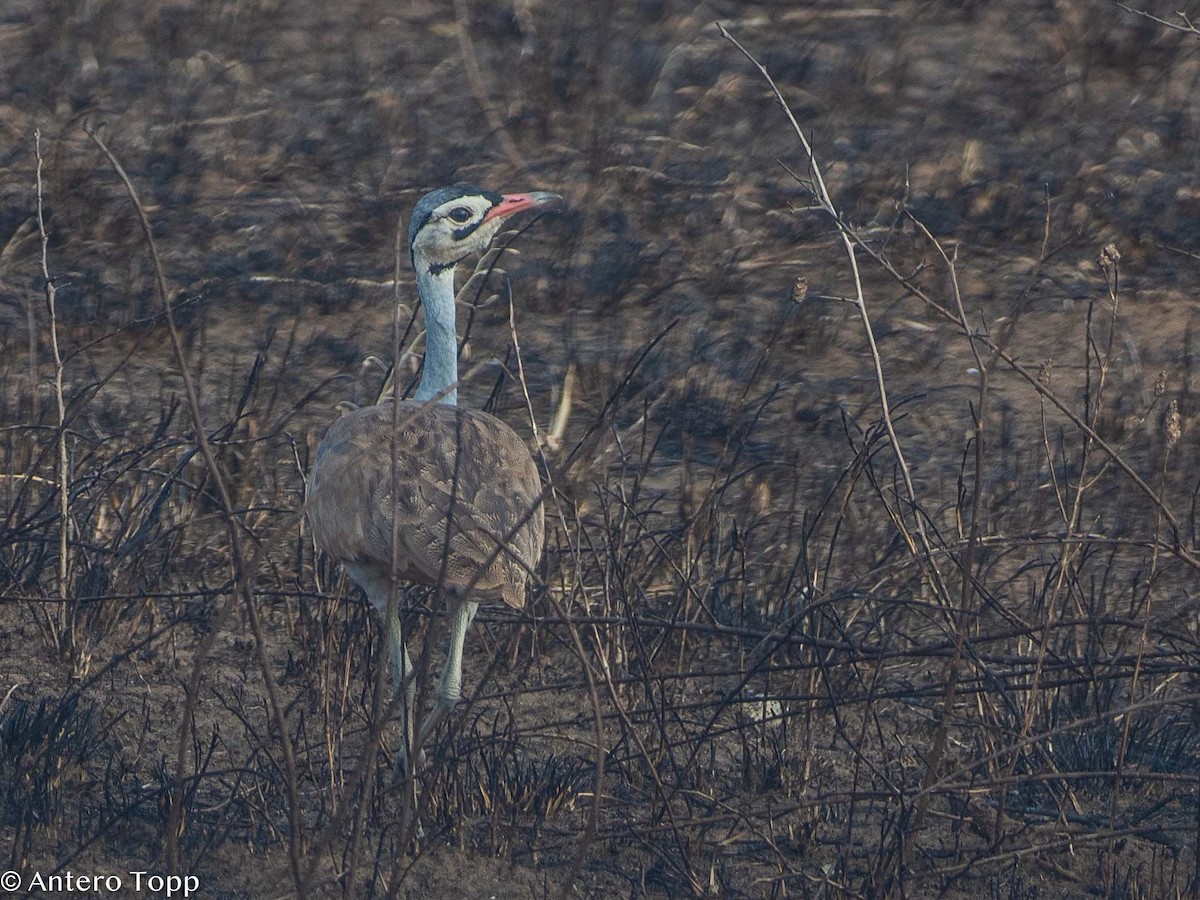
x,y
242,570
967,564
1035,381
912,527
68,609
1097,353
31,324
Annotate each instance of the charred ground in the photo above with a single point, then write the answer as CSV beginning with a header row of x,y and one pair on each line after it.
x,y
768,611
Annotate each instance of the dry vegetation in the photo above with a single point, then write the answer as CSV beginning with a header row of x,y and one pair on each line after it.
x,y
787,640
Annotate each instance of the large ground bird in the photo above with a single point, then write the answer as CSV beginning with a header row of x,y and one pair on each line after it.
x,y
425,490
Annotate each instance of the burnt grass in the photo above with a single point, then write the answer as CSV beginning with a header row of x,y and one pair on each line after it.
x,y
820,649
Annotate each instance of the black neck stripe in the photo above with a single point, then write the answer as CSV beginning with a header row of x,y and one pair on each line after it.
x,y
439,268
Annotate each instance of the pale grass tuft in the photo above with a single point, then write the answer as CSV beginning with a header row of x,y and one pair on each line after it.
x,y
1109,256
1044,372
800,289
1172,429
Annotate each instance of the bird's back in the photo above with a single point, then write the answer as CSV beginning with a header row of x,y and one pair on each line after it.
x,y
463,487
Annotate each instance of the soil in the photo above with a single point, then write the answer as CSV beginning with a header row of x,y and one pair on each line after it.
x,y
735,524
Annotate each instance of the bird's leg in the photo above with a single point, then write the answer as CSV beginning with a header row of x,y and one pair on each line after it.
x,y
402,681
449,688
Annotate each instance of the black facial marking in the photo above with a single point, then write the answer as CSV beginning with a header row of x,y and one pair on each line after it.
x,y
466,231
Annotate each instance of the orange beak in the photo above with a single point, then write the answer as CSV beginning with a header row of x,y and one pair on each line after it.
x,y
510,204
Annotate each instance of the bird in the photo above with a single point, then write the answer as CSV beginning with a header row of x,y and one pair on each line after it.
x,y
456,488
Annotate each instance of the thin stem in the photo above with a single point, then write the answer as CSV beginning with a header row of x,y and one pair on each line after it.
x,y
242,571
851,242
69,610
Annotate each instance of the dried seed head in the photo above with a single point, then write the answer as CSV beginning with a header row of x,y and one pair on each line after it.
x,y
800,289
1172,430
1160,383
1109,256
1044,371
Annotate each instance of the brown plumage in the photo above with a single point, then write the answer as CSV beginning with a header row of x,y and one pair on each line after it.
x,y
459,473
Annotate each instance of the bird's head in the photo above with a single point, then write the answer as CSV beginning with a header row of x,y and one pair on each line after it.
x,y
452,223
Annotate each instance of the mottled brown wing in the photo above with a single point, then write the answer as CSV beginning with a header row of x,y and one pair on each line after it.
x,y
466,496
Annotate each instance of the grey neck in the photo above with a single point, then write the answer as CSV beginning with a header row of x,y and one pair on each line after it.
x,y
440,376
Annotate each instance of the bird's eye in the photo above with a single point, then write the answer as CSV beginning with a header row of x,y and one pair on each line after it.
x,y
460,214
